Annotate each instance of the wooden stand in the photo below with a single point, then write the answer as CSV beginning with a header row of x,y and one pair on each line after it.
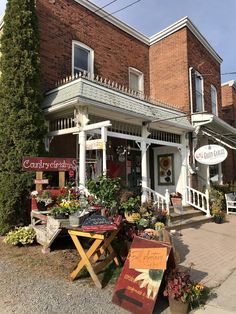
x,y
101,245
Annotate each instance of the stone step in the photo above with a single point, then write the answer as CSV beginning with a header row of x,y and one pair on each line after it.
x,y
186,213
187,223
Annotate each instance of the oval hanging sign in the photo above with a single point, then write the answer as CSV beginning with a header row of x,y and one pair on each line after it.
x,y
211,154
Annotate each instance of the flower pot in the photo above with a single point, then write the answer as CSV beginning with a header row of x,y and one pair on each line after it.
x,y
178,307
218,220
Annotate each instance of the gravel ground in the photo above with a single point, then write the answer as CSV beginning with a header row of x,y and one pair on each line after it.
x,y
33,283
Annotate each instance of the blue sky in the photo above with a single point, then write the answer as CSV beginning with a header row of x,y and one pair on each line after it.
x,y
215,19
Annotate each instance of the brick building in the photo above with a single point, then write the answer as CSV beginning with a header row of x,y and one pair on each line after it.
x,y
96,68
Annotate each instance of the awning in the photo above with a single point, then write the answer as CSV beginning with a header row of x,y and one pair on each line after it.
x,y
216,128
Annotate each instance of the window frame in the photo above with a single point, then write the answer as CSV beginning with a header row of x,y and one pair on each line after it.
x,y
199,93
140,77
90,57
213,89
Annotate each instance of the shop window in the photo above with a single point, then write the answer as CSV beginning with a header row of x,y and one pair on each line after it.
x,y
214,100
136,80
82,58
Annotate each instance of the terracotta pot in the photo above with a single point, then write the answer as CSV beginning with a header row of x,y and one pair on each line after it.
x,y
178,307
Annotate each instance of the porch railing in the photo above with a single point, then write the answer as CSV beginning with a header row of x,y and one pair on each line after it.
x,y
162,201
198,200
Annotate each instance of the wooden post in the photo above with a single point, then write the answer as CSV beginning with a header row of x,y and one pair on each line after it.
x,y
61,179
39,176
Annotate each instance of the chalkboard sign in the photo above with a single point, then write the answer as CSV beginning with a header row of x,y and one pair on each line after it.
x,y
137,288
98,223
95,220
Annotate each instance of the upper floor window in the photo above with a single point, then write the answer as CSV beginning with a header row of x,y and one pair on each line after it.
x,y
82,58
136,80
199,103
214,100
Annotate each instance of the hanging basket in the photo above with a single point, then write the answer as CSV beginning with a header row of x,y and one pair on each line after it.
x,y
178,307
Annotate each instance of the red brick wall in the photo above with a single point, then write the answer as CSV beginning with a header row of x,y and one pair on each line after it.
x,y
229,109
169,70
202,61
229,104
114,50
170,60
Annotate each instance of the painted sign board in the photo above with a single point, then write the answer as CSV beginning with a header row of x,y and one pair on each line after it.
x,y
41,181
95,144
137,288
48,164
211,154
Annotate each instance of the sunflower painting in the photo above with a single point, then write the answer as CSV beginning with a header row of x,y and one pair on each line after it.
x,y
165,169
151,279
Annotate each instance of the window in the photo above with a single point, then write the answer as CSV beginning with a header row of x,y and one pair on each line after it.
x,y
214,100
82,58
136,80
199,104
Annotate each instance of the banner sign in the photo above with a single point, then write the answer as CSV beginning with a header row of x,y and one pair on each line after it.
x,y
211,154
137,288
48,164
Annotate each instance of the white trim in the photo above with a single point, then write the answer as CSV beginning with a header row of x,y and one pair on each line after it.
x,y
90,57
140,79
214,93
184,22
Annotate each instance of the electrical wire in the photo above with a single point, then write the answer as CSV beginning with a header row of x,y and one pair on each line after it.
x,y
104,16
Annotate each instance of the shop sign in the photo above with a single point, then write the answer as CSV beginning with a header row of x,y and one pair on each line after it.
x,y
211,154
95,144
48,164
140,279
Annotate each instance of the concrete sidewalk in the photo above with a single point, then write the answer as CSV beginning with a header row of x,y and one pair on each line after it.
x,y
212,249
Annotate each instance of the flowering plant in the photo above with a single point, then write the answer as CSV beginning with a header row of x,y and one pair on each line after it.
x,y
179,286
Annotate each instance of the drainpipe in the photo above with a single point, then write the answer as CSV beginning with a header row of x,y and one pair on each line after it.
x,y
190,89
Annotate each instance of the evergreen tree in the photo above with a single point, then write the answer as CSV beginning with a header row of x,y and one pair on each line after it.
x,y
21,120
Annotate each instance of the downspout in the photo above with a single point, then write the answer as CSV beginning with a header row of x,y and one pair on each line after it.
x,y
190,89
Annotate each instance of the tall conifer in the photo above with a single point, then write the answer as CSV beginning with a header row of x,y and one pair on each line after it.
x,y
21,120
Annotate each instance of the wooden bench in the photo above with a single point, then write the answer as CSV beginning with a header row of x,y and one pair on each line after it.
x,y
230,203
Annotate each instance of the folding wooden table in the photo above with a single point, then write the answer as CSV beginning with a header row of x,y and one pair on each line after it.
x,y
91,259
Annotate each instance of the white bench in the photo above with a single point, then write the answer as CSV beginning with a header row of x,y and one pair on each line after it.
x,y
230,203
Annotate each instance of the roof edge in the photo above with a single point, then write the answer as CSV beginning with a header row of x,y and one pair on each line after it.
x,y
231,83
185,22
113,20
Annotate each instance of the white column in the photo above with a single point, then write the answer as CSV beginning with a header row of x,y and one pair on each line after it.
x,y
104,151
82,159
143,148
184,168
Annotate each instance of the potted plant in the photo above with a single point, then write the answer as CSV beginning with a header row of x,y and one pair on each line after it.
x,y
131,209
106,190
176,199
20,236
181,291
219,216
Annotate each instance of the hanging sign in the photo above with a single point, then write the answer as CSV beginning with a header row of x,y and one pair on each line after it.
x,y
211,154
48,164
95,144
41,181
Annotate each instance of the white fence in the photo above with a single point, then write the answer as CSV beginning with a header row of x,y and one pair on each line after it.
x,y
198,200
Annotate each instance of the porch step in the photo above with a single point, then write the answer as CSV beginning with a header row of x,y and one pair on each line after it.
x,y
187,212
188,222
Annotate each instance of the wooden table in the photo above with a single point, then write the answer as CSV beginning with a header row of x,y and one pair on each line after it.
x,y
91,259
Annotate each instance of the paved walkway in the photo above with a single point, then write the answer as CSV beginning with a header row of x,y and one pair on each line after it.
x,y
212,249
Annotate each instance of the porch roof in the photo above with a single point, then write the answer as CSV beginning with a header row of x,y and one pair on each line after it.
x,y
216,128
105,96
